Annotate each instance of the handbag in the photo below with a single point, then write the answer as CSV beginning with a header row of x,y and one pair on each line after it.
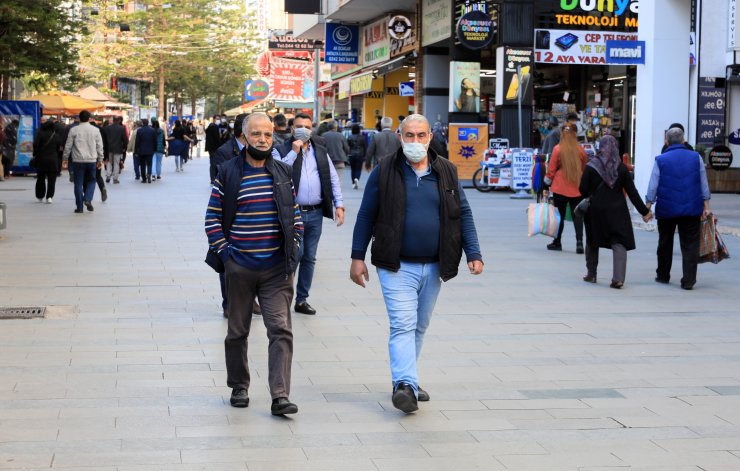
x,y
582,208
542,218
711,248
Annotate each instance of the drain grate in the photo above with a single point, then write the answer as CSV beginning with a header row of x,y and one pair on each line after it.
x,y
22,312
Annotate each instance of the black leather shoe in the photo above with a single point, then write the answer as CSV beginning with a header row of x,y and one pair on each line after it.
x,y
304,308
616,284
79,211
554,246
239,398
404,399
579,247
422,395
104,195
89,206
590,278
661,280
282,406
687,287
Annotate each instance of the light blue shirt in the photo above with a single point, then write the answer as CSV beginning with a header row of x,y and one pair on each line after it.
x,y
655,178
241,146
309,189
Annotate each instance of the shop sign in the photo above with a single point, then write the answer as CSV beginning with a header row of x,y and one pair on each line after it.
x,y
710,115
256,90
513,84
406,88
404,46
556,46
720,157
599,14
399,27
468,144
475,30
521,168
361,84
343,89
464,87
732,43
376,46
435,21
342,44
625,52
290,43
290,80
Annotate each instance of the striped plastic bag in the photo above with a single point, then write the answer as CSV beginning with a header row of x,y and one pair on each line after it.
x,y
542,218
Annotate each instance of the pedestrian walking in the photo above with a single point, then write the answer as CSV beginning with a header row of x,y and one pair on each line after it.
x,y
213,142
99,171
46,162
679,189
179,144
383,144
317,192
145,146
357,150
200,134
254,231
132,146
9,146
117,144
158,152
608,222
85,147
337,146
412,202
563,176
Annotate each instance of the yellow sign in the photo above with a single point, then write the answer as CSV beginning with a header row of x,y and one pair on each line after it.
x,y
361,84
468,144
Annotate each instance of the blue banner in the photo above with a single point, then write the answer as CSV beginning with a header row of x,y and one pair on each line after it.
x,y
625,52
342,44
28,115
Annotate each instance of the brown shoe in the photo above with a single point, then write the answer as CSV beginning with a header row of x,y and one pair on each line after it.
x,y
590,278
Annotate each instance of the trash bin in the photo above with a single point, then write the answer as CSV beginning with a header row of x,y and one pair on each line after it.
x,y
2,215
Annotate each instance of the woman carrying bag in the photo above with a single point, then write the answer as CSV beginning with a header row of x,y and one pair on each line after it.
x,y
563,175
608,222
46,161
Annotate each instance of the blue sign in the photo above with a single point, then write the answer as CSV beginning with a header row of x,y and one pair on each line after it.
x,y
342,44
467,134
625,52
256,90
406,88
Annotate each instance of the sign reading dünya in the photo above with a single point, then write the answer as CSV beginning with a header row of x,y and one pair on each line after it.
x,y
475,30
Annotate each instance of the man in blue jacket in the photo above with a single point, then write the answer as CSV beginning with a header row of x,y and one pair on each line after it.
x,y
144,147
415,211
678,185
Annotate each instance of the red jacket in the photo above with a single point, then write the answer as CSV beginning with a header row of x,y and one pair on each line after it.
x,y
560,185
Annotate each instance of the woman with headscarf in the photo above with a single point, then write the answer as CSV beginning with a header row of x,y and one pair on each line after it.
x,y
563,175
608,222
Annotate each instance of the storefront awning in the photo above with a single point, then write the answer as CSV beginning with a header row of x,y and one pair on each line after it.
x,y
359,11
293,104
389,67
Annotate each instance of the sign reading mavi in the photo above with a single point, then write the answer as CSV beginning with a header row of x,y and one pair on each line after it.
x,y
625,52
555,46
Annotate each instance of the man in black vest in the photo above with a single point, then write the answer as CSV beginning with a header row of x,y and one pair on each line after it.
x,y
317,192
416,212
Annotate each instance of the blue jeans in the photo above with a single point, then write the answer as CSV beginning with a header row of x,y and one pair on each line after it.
x,y
410,295
84,176
312,225
157,164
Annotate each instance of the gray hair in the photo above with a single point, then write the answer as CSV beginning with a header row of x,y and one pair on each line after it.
x,y
386,122
414,117
332,125
674,136
245,124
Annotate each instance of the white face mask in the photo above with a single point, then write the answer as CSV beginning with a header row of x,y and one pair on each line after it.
x,y
302,134
218,121
231,125
414,151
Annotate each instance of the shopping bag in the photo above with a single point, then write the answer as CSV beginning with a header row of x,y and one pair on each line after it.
x,y
542,218
712,248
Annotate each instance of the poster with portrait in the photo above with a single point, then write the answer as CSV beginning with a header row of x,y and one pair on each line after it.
x,y
464,87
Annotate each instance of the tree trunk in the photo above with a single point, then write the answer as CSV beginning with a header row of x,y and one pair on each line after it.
x,y
218,104
192,105
5,87
162,102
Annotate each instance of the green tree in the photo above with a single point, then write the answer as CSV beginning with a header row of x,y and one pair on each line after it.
x,y
39,36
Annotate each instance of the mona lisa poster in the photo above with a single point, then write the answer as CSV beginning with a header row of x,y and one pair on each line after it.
x,y
464,87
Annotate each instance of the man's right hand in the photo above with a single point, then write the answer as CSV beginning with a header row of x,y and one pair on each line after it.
x,y
358,272
297,146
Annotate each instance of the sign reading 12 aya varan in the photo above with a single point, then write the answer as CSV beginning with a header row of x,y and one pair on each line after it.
x,y
554,46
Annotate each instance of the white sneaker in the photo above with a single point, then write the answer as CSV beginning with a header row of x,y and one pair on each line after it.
x,y
355,183
48,201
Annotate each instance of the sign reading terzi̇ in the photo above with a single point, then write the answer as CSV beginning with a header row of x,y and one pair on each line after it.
x,y
376,46
554,46
435,21
342,44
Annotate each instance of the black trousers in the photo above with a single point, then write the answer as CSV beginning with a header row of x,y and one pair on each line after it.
x,y
356,164
561,202
145,166
99,178
45,184
689,235
213,167
275,293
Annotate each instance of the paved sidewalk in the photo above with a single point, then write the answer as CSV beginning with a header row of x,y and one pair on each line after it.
x,y
528,367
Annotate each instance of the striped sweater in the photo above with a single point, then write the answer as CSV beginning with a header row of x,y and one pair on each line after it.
x,y
255,239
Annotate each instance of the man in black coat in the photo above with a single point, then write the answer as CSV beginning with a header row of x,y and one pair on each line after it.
x,y
117,143
144,147
213,142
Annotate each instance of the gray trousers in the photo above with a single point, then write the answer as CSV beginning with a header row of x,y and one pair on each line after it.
x,y
274,292
619,254
113,166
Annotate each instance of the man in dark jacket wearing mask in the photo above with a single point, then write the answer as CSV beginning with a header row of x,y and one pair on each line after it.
x,y
420,222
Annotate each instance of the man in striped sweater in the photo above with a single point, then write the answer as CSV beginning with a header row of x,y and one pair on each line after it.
x,y
254,226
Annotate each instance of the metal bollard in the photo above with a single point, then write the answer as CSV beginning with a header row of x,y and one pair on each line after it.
x,y
3,208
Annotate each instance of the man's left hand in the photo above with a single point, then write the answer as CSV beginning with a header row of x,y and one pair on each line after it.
x,y
476,267
339,216
99,165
